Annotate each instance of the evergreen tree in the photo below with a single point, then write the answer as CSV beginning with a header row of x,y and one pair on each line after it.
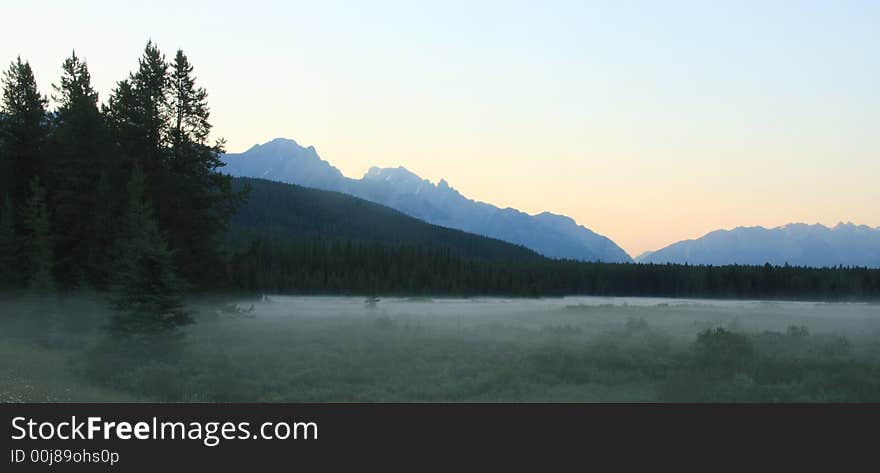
x,y
75,92
123,115
138,110
24,131
197,200
189,106
146,290
151,90
80,152
9,261
39,241
160,119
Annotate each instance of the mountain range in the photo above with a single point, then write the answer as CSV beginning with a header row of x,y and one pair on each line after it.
x,y
552,235
797,244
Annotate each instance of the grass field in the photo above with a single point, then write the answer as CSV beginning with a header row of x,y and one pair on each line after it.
x,y
337,349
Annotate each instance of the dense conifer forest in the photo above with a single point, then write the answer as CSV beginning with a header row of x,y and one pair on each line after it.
x,y
122,196
292,239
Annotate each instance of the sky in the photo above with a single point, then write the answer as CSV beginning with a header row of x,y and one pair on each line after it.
x,y
648,122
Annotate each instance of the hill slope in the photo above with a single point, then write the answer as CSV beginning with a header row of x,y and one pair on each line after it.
x,y
295,212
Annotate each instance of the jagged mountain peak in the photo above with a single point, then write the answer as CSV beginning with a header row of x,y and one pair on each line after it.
x,y
550,234
399,173
277,144
280,159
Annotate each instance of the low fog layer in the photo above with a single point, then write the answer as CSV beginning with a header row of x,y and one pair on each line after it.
x,y
282,348
680,315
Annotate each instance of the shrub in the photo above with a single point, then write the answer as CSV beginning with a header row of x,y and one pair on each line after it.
x,y
721,352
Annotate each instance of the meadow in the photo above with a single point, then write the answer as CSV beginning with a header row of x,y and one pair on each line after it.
x,y
347,349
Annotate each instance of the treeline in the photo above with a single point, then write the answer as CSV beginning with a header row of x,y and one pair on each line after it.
x,y
123,195
351,267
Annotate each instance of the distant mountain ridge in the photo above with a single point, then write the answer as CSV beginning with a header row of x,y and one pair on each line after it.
x,y
797,244
555,236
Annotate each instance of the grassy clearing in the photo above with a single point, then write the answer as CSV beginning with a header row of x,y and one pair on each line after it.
x,y
336,350
30,373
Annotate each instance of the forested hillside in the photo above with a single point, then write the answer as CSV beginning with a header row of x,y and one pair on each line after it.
x,y
291,212
294,239
322,266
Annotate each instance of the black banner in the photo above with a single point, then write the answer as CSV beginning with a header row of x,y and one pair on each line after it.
x,y
136,437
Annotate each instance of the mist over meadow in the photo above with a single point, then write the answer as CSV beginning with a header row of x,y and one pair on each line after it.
x,y
328,349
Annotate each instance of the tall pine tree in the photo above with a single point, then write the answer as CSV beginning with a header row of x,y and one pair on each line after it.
x,y
138,109
80,151
198,199
151,90
189,106
24,131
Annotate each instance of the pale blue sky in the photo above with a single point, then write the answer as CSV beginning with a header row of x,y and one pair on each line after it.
x,y
649,122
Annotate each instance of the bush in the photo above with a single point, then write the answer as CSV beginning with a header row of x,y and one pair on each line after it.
x,y
719,352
